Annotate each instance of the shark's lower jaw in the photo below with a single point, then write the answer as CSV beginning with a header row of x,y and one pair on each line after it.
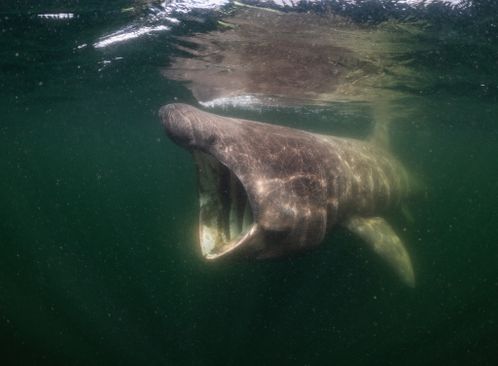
x,y
226,218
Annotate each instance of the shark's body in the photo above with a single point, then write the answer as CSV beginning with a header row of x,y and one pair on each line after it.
x,y
268,191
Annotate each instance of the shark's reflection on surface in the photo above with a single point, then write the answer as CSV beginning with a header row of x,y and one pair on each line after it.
x,y
267,57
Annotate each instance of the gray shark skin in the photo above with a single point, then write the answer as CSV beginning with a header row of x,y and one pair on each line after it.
x,y
267,191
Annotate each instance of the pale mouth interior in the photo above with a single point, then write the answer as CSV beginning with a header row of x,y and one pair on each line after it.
x,y
225,218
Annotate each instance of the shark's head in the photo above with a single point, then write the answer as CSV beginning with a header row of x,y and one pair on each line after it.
x,y
262,189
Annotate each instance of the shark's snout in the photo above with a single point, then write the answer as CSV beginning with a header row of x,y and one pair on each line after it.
x,y
177,122
190,127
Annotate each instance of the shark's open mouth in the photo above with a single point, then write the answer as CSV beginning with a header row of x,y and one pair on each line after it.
x,y
226,217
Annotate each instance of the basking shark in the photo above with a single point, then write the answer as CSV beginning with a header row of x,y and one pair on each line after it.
x,y
267,191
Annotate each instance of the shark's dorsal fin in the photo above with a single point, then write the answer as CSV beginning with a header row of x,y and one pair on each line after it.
x,y
384,241
382,117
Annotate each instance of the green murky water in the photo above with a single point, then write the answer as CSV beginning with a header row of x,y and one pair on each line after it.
x,y
98,257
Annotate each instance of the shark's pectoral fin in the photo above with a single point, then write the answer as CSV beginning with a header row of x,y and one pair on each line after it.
x,y
384,241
